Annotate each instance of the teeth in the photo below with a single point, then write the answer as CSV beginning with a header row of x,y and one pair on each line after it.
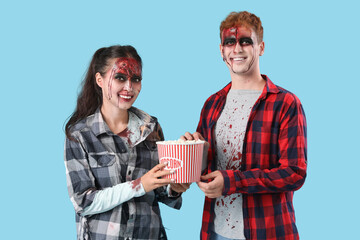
x,y
126,97
238,59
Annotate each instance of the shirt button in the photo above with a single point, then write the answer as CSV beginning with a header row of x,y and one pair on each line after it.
x,y
129,173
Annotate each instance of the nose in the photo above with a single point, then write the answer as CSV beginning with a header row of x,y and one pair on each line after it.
x,y
238,47
128,85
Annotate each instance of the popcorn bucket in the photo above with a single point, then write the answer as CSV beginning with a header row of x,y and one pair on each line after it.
x,y
183,156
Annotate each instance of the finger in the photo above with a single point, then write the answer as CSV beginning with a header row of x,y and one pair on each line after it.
x,y
186,185
208,188
198,136
162,173
163,181
159,167
176,188
208,176
189,136
202,186
182,187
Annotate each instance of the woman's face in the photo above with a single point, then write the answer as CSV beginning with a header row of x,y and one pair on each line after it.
x,y
122,82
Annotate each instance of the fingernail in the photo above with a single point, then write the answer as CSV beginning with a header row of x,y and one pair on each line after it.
x,y
172,180
166,163
172,171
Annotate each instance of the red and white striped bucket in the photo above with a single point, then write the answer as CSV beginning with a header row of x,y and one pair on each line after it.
x,y
184,157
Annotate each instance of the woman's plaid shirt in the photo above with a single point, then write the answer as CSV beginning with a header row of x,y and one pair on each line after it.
x,y
274,162
99,159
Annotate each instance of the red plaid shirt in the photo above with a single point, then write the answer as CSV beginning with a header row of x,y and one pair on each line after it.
x,y
273,162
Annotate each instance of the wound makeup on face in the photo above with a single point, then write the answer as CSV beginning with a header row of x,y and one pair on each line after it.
x,y
231,36
124,69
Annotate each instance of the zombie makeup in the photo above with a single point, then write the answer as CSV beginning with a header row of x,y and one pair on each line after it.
x,y
231,36
124,70
234,54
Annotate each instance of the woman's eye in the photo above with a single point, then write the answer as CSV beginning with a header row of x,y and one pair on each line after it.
x,y
136,80
120,77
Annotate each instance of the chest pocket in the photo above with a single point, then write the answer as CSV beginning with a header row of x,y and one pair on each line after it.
x,y
104,170
97,160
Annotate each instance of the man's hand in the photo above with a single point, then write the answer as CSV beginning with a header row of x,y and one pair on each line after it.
x,y
152,179
198,136
180,187
194,136
214,188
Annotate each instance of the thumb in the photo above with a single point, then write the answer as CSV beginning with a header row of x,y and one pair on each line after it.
x,y
208,176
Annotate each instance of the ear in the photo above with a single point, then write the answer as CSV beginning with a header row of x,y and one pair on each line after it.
x,y
221,51
262,48
99,79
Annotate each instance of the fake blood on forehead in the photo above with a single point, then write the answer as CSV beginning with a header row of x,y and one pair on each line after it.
x,y
126,66
235,32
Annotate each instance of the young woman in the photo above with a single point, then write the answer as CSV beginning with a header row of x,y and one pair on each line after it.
x,y
113,176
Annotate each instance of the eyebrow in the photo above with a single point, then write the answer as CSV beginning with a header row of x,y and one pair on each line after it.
x,y
136,76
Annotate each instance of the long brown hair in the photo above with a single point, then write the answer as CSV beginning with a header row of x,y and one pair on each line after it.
x,y
90,96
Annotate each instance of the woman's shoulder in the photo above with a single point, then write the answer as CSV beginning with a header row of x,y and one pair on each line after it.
x,y
82,125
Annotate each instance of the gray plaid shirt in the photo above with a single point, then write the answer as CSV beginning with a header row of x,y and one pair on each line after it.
x,y
99,159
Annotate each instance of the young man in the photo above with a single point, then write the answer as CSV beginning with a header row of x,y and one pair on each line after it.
x,y
257,144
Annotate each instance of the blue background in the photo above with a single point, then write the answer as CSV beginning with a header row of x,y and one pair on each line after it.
x,y
311,48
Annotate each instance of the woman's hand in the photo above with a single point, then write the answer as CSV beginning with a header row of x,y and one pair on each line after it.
x,y
152,179
179,187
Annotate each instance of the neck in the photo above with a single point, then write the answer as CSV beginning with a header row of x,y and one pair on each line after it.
x,y
250,82
117,119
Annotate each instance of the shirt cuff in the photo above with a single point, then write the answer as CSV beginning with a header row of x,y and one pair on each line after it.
x,y
229,177
140,191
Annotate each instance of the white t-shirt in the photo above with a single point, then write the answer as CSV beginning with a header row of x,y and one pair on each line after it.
x,y
229,137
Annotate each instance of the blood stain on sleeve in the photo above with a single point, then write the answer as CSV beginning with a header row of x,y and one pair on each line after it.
x,y
136,184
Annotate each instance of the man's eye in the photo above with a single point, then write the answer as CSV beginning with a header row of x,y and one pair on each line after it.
x,y
246,41
229,42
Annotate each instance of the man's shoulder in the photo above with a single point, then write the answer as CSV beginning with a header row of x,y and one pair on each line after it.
x,y
288,96
218,95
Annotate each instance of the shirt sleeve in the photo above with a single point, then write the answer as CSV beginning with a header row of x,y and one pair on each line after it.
x,y
109,198
291,171
84,195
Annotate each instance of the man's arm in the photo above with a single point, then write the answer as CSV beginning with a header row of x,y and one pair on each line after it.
x,y
291,172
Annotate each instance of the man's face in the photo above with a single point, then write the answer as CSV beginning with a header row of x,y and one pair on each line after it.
x,y
240,50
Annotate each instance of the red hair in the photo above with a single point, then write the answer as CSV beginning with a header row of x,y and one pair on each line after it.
x,y
246,19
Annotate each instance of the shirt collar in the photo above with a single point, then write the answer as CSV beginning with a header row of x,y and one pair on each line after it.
x,y
269,87
99,126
